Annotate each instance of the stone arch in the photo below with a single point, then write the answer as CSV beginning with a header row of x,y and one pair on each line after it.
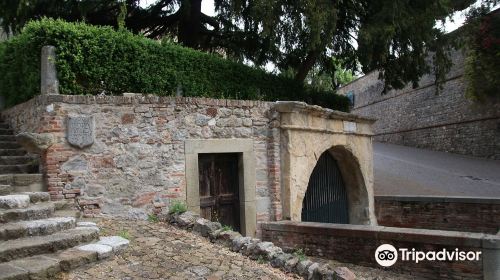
x,y
306,133
357,194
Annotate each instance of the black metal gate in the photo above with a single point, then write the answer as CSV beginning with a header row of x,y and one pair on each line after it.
x,y
326,198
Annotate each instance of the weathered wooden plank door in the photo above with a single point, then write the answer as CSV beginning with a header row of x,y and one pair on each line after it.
x,y
326,196
219,188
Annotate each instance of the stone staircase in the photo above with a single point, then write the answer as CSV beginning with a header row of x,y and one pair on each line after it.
x,y
38,237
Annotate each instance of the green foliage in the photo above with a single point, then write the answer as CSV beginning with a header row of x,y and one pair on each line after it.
x,y
177,207
299,253
482,63
152,218
388,35
92,60
227,228
124,234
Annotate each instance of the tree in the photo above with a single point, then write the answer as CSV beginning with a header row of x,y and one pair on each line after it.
x,y
389,35
482,49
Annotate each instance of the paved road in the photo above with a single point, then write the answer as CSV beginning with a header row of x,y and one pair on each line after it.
x,y
401,170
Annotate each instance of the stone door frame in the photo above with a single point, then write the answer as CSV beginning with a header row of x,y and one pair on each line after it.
x,y
246,169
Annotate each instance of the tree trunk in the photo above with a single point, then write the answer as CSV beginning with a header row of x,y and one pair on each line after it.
x,y
190,23
307,65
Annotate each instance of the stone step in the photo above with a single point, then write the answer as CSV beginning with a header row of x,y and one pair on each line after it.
x,y
6,189
30,188
36,245
48,266
36,227
13,201
16,183
38,211
27,179
4,125
19,168
67,213
36,197
9,160
7,138
9,145
6,131
12,152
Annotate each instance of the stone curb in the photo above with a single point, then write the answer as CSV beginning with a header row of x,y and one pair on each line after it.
x,y
257,249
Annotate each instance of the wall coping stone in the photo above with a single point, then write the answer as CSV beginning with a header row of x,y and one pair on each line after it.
x,y
439,237
438,199
315,110
137,99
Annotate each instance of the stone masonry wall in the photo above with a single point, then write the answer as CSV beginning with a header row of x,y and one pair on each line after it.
x,y
444,120
472,214
136,164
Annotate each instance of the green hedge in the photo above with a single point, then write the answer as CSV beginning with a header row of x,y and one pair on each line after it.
x,y
91,59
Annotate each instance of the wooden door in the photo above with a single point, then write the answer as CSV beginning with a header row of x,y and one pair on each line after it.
x,y
219,188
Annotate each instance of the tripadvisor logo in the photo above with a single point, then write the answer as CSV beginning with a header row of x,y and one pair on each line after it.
x,y
387,255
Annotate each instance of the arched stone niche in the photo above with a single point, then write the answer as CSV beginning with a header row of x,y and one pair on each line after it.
x,y
309,131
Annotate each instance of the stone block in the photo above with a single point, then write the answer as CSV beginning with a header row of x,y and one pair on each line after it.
x,y
86,224
226,237
116,242
279,260
239,242
185,220
204,227
14,201
12,272
34,142
103,251
343,273
312,273
73,258
302,267
291,264
39,267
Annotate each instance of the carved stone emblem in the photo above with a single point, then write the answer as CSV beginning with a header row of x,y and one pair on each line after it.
x,y
80,131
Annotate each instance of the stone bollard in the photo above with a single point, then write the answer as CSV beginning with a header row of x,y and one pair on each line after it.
x,y
49,82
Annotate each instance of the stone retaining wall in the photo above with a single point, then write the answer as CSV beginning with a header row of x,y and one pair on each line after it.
x,y
445,213
425,117
137,161
132,155
357,244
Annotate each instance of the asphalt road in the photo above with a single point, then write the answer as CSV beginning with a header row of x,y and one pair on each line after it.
x,y
401,170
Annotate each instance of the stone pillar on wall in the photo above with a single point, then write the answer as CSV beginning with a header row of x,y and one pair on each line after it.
x,y
49,83
309,131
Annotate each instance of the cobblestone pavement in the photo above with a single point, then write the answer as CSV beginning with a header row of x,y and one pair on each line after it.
x,y
161,251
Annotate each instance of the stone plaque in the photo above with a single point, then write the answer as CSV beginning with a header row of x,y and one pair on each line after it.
x,y
80,131
350,126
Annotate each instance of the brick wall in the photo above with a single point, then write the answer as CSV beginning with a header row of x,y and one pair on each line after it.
x,y
460,214
357,244
137,164
424,117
